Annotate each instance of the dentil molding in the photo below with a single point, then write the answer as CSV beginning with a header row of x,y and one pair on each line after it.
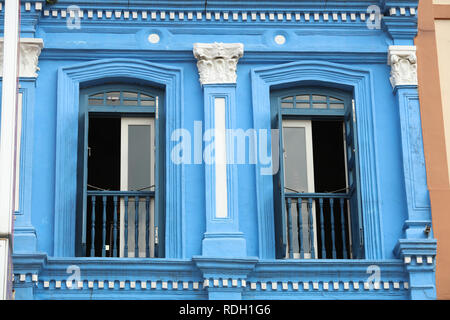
x,y
30,49
217,62
403,62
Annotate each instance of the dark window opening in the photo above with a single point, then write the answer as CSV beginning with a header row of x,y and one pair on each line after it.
x,y
120,171
330,177
316,198
103,174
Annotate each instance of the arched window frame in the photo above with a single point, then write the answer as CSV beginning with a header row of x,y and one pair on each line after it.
x,y
284,108
354,79
121,109
70,79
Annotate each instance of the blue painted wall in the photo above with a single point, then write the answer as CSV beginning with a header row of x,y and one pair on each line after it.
x,y
348,43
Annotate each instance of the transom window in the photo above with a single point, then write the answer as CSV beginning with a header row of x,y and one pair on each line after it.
x,y
122,98
316,193
313,101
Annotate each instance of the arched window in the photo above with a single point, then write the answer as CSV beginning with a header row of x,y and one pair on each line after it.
x,y
316,192
120,211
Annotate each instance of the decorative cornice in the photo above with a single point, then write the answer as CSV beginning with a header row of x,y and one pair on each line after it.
x,y
285,13
403,62
30,49
217,62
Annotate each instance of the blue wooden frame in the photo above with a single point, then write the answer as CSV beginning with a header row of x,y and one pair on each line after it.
x,y
311,72
87,110
278,112
69,81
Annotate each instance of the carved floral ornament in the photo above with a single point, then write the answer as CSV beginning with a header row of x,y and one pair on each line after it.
x,y
403,62
217,62
30,49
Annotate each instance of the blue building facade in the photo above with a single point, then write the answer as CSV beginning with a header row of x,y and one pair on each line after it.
x,y
123,193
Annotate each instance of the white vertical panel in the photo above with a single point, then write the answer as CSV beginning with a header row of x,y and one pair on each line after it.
x,y
220,158
19,135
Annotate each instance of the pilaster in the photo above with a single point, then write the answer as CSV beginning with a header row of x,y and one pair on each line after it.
x,y
25,238
225,278
217,64
418,247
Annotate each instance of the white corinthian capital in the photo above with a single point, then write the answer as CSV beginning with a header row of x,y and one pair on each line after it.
x,y
403,62
217,62
30,49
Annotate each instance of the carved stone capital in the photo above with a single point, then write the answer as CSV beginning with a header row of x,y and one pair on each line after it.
x,y
217,62
30,49
403,62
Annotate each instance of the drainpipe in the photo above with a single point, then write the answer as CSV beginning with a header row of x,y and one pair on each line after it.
x,y
8,142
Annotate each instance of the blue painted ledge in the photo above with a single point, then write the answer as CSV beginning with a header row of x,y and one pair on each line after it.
x,y
40,277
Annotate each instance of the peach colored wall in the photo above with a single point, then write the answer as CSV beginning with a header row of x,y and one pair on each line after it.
x,y
442,31
433,48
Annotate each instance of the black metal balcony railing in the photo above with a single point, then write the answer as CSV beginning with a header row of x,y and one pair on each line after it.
x,y
120,224
317,225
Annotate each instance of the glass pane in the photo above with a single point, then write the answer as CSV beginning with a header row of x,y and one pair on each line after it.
x,y
148,103
287,104
127,94
130,102
319,98
336,106
139,179
296,178
97,95
95,101
145,96
302,97
319,105
335,99
113,98
139,157
302,105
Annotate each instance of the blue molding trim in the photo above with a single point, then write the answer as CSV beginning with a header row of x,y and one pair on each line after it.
x,y
419,257
27,88
69,80
418,249
24,233
401,24
222,236
331,75
186,56
327,279
40,277
416,189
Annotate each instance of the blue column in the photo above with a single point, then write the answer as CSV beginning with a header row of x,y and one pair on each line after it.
x,y
222,237
217,64
418,247
25,237
224,262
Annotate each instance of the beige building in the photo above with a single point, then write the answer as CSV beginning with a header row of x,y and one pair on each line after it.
x,y
433,51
